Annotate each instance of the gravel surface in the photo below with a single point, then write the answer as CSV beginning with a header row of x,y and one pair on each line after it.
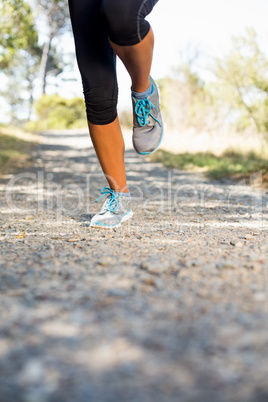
x,y
172,306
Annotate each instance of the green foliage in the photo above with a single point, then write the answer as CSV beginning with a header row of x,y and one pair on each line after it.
x,y
17,30
242,82
21,57
230,164
55,112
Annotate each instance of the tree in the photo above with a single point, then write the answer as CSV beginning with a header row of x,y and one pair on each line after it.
x,y
186,100
242,82
17,30
19,56
57,22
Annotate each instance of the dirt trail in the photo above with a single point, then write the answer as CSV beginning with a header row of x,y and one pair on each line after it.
x,y
172,306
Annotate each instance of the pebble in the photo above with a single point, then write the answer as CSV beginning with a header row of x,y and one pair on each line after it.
x,y
239,244
148,280
105,261
59,329
249,237
154,269
118,292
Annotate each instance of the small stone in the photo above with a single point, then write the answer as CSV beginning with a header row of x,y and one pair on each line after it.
x,y
149,281
118,293
105,261
225,265
248,237
239,244
154,268
60,329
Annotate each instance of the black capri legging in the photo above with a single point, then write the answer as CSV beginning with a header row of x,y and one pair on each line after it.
x,y
93,22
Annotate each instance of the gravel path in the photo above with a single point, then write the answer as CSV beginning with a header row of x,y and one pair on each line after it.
x,y
172,306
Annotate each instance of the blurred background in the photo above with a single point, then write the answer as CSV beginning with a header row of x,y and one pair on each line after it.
x,y
210,60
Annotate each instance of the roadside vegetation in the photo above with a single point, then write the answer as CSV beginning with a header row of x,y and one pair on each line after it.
x,y
15,153
231,164
235,99
54,112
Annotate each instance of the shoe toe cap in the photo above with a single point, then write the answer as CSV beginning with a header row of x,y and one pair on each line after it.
x,y
146,141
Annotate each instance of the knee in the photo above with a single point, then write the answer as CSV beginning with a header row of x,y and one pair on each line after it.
x,y
121,22
100,110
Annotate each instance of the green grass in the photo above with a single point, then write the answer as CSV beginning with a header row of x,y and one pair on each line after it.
x,y
230,164
14,152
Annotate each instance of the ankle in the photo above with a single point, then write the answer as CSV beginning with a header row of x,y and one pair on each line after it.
x,y
123,194
143,95
121,191
140,87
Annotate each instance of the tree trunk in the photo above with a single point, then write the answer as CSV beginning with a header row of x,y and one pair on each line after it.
x,y
44,63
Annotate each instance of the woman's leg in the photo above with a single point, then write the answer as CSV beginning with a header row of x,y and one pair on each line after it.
x,y
109,145
132,39
96,61
138,61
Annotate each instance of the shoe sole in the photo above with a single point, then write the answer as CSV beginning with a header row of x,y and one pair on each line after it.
x,y
101,225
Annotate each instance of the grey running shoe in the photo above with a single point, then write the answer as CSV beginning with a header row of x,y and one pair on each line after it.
x,y
116,209
147,122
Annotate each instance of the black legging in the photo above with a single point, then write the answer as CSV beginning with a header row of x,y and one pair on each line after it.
x,y
93,22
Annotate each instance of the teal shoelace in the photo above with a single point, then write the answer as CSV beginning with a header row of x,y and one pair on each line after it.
x,y
112,200
143,109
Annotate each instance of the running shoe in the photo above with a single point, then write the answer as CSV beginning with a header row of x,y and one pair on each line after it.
x,y
116,209
147,122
